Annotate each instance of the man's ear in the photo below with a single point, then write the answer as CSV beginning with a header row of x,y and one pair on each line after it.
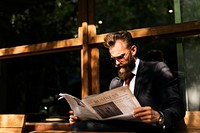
x,y
133,49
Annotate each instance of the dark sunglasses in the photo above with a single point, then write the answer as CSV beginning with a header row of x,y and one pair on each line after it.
x,y
118,57
113,59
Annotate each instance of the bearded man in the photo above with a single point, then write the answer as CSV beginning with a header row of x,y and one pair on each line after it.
x,y
151,82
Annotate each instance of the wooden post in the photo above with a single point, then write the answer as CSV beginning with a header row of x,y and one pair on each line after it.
x,y
89,55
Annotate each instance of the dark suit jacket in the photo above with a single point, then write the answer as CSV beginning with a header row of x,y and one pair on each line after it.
x,y
157,87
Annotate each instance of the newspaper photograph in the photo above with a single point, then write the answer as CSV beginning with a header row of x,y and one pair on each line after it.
x,y
117,103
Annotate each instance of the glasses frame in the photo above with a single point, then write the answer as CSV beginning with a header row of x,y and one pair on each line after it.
x,y
118,58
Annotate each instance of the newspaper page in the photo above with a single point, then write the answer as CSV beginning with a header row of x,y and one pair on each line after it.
x,y
117,103
78,107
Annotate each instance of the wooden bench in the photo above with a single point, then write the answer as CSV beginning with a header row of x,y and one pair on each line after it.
x,y
191,124
12,123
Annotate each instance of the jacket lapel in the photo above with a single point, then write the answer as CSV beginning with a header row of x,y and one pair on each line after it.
x,y
139,78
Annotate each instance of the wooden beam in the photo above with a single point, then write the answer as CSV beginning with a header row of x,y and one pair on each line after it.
x,y
40,48
94,51
85,60
89,55
85,51
94,63
175,30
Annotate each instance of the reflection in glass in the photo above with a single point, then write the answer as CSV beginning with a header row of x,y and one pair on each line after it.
x,y
118,15
32,84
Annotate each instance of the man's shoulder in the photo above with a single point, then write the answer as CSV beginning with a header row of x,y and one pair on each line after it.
x,y
152,63
153,66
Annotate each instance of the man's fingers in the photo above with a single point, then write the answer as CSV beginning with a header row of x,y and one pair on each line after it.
x,y
73,117
71,112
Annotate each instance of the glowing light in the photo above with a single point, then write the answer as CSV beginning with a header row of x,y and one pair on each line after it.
x,y
170,11
100,22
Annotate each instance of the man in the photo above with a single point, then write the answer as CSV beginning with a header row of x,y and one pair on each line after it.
x,y
153,85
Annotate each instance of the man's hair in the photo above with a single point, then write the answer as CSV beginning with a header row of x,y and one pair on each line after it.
x,y
111,38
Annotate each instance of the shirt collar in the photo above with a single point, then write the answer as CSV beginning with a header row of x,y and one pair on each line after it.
x,y
134,71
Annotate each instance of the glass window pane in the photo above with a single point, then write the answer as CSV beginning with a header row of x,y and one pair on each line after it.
x,y
166,46
30,22
191,71
114,15
31,84
190,10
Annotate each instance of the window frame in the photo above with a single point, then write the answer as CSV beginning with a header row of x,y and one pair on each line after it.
x,y
88,41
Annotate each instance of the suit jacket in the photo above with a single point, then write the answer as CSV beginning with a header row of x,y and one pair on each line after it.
x,y
157,87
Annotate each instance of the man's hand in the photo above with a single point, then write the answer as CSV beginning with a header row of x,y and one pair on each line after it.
x,y
72,118
146,114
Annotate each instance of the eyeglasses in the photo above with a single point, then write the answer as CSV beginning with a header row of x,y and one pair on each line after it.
x,y
122,56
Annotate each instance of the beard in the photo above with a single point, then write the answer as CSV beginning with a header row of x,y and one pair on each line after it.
x,y
125,69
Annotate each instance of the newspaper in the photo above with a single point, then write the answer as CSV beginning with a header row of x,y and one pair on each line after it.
x,y
117,103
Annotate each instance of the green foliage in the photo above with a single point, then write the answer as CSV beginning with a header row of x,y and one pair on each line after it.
x,y
131,14
190,10
48,21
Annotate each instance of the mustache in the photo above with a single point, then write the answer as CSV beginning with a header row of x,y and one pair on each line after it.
x,y
125,72
121,65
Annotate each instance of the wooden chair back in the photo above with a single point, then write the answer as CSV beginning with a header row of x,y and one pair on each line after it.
x,y
12,123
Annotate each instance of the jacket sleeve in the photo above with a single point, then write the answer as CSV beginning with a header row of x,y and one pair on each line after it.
x,y
173,106
115,82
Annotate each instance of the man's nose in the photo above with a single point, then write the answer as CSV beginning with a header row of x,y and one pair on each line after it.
x,y
117,62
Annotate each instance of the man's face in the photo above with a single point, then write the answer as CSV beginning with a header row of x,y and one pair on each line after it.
x,y
124,59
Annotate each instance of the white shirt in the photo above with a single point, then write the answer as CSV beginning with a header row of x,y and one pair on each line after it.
x,y
134,71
